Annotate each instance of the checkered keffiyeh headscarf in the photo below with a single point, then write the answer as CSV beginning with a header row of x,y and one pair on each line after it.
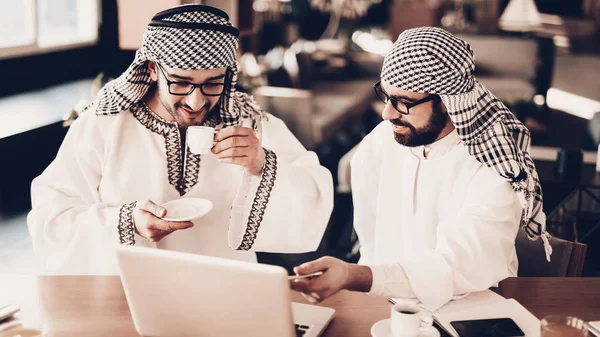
x,y
188,37
433,61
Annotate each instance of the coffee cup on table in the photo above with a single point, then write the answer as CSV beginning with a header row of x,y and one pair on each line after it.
x,y
200,139
409,320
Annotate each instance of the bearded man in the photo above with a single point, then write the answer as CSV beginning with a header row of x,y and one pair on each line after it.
x,y
440,188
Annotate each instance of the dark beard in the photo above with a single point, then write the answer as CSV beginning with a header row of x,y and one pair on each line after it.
x,y
426,135
214,112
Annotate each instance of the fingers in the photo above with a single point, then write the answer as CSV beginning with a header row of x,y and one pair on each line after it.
x,y
303,287
177,225
313,298
240,146
300,285
233,152
231,142
321,287
169,226
150,207
148,222
315,284
158,229
233,131
313,292
320,284
320,264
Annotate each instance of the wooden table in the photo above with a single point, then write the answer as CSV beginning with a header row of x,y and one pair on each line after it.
x,y
96,306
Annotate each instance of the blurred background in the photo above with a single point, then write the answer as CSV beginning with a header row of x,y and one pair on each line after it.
x,y
312,63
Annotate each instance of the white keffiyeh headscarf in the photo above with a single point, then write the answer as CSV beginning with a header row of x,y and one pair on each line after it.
x,y
188,37
433,61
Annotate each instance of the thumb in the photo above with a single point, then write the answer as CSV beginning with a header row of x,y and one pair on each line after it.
x,y
312,266
155,209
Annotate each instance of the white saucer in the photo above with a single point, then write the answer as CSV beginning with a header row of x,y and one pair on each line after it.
x,y
186,209
382,329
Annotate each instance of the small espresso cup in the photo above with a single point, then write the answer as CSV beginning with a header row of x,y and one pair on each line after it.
x,y
408,320
200,139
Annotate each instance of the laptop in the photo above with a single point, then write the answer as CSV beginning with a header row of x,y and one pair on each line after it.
x,y
179,294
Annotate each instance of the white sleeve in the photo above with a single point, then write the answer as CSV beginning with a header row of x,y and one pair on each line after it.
x,y
474,248
364,181
287,209
72,231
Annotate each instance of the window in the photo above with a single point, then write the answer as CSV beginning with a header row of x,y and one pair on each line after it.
x,y
39,26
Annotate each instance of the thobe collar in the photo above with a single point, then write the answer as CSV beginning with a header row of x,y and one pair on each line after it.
x,y
438,148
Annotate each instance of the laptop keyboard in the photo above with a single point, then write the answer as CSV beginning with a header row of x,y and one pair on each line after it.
x,y
301,329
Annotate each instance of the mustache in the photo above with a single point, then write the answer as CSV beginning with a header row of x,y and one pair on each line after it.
x,y
399,122
186,107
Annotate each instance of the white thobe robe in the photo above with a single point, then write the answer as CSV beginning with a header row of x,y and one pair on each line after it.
x,y
435,227
82,203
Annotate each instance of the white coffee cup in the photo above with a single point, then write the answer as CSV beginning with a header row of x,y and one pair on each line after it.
x,y
408,320
200,139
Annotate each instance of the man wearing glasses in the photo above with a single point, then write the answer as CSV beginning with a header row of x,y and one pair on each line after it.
x,y
440,188
127,154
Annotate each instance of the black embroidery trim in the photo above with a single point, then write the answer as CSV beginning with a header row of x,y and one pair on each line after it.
x,y
192,170
170,131
126,226
261,200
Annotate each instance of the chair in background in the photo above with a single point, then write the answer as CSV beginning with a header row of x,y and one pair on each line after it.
x,y
574,101
505,65
315,115
315,109
594,128
567,257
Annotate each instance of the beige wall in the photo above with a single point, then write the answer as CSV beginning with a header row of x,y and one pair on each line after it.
x,y
228,6
134,16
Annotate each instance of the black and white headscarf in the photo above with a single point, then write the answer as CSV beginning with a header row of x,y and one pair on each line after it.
x,y
433,61
188,37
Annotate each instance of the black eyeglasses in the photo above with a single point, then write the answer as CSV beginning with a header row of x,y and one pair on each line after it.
x,y
401,107
186,88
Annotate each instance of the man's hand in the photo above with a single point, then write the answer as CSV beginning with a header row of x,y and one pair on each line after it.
x,y
337,275
240,146
148,223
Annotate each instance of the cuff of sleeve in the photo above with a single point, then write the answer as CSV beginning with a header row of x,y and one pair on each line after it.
x,y
432,279
242,237
390,280
126,226
378,282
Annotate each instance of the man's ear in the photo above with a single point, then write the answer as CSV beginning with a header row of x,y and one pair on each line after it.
x,y
153,71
